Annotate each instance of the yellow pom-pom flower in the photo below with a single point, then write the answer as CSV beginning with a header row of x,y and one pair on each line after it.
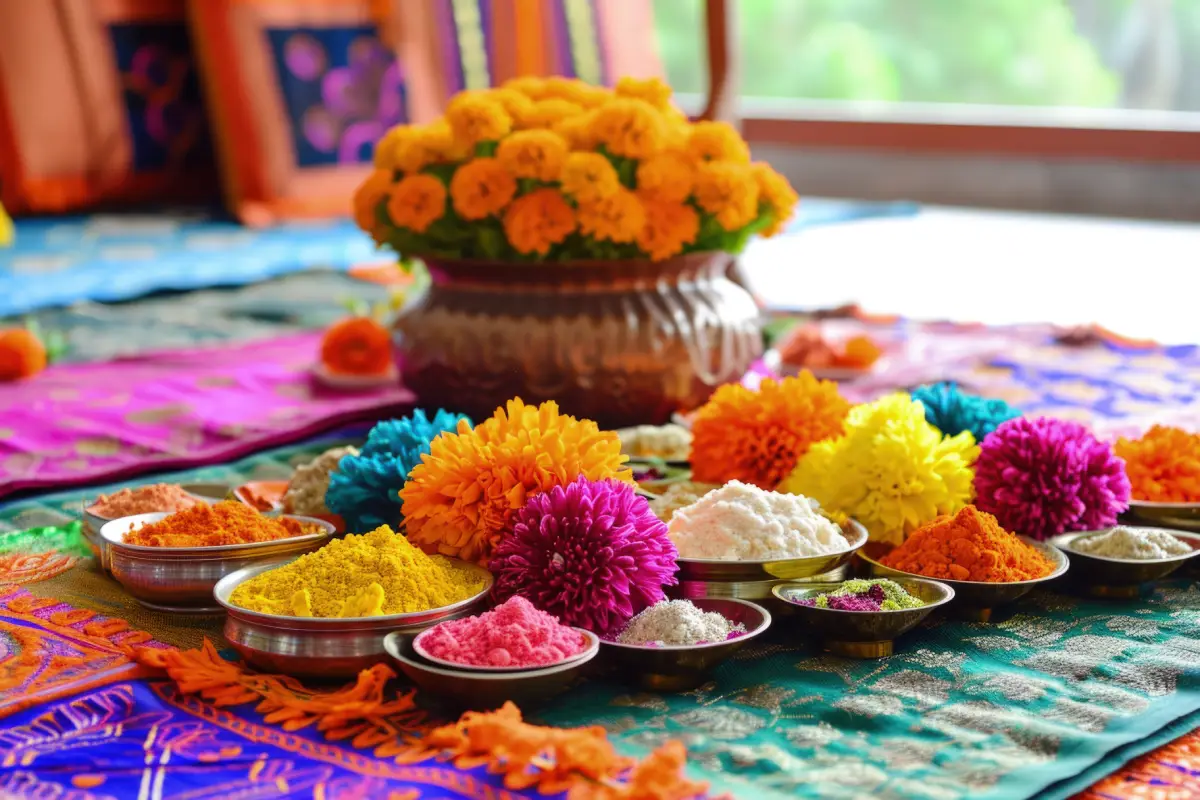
x,y
652,90
481,188
717,141
892,470
425,145
528,85
758,436
619,217
475,117
666,176
537,221
729,192
517,104
416,202
458,502
367,198
589,177
776,192
385,148
577,130
670,226
630,128
537,154
549,112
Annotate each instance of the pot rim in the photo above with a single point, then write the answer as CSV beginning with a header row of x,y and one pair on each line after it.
x,y
443,270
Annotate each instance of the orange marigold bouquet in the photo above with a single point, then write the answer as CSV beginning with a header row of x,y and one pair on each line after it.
x,y
557,170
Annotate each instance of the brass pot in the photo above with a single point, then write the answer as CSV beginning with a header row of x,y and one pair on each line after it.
x,y
620,342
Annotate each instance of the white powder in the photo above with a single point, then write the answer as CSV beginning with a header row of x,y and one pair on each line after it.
x,y
677,496
1133,544
740,522
677,622
668,442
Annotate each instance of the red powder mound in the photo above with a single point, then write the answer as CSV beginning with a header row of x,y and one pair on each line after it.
x,y
514,634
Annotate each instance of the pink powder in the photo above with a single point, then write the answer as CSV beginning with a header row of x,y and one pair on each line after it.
x,y
513,634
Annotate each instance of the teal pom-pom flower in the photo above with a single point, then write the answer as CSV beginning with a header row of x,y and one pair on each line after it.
x,y
365,490
952,411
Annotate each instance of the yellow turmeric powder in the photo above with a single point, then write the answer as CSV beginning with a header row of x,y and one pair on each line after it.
x,y
365,575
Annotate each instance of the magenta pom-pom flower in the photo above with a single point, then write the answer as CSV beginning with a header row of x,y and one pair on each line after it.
x,y
592,553
1042,477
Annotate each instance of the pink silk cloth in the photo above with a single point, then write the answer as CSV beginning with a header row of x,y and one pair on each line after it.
x,y
82,423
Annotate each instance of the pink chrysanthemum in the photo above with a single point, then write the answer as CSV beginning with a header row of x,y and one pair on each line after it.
x,y
1042,477
592,553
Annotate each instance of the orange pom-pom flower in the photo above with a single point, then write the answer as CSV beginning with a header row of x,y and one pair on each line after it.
x,y
22,354
537,221
357,346
1163,466
481,188
758,436
460,500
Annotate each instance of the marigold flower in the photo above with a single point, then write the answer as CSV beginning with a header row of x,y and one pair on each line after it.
x,y
425,145
667,176
1163,465
619,217
670,227
461,499
481,188
538,220
758,436
891,470
357,346
549,112
589,177
572,90
476,117
729,192
517,104
385,156
577,130
630,128
367,198
778,194
416,202
22,354
652,90
537,154
717,141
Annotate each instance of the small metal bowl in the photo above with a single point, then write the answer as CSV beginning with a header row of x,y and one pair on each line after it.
x,y
588,652
181,579
862,634
1101,576
92,523
483,691
683,667
324,647
975,600
1181,516
271,492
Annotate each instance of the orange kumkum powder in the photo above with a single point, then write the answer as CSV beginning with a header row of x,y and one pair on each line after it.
x,y
227,522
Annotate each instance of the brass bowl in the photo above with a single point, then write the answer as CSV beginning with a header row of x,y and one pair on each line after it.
x,y
682,667
181,579
975,600
588,652
1116,577
862,634
483,691
1181,516
324,647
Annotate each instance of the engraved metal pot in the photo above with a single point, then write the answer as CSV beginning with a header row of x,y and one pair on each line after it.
x,y
620,342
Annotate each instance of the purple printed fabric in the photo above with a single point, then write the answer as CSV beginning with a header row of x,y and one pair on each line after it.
x,y
81,423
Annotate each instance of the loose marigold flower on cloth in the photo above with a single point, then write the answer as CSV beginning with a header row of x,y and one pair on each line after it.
x,y
729,192
22,354
670,227
630,128
481,188
1163,465
891,470
619,217
537,154
476,117
589,177
1042,477
652,90
367,198
357,346
778,194
666,176
461,499
416,202
758,436
537,221
717,141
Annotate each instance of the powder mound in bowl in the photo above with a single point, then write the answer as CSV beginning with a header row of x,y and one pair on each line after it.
x,y
514,634
676,623
1131,544
225,523
864,595
142,500
361,575
305,493
678,495
741,522
668,442
968,546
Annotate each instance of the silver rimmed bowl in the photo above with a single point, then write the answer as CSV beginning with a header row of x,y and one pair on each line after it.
x,y
591,645
92,522
976,600
862,634
325,647
181,579
678,668
484,691
1102,576
1180,516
